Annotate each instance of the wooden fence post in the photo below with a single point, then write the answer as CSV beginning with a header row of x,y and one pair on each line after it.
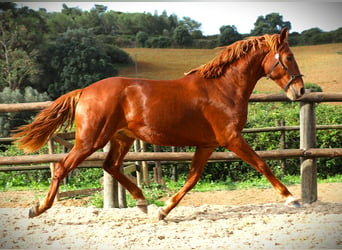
x,y
282,143
144,166
308,140
121,194
51,149
138,163
110,187
157,170
174,167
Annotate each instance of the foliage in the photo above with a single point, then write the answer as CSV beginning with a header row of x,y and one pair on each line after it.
x,y
76,60
18,52
141,37
313,87
182,37
228,35
158,42
270,24
9,121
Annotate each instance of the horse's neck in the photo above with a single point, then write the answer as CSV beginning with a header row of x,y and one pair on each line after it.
x,y
246,72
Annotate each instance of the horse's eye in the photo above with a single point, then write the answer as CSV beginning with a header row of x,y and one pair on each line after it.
x,y
289,58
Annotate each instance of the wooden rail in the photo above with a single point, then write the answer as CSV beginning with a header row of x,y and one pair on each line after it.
x,y
177,156
71,135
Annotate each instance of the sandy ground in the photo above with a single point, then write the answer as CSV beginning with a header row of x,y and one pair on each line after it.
x,y
201,221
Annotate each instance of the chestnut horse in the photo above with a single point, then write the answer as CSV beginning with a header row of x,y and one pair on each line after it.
x,y
206,108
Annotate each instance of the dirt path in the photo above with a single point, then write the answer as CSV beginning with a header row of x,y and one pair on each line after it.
x,y
192,225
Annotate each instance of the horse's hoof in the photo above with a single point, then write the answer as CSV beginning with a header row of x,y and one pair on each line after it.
x,y
161,214
33,211
292,202
142,205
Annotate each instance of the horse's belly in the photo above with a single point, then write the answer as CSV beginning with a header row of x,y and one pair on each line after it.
x,y
173,136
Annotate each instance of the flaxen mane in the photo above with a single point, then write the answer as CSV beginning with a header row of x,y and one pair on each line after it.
x,y
215,68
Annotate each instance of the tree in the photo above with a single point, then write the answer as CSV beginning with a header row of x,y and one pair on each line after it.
x,y
228,35
270,24
17,51
158,42
76,60
315,36
182,37
141,38
190,24
17,67
337,36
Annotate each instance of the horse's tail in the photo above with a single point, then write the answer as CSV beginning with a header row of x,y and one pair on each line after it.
x,y
33,136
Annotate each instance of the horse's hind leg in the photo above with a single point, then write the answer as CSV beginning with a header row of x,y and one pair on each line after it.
x,y
62,168
119,146
197,165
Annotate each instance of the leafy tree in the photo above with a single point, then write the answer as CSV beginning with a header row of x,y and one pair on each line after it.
x,y
294,38
4,6
315,36
270,24
196,34
141,38
158,42
182,37
73,12
337,36
75,60
18,51
17,67
190,24
228,35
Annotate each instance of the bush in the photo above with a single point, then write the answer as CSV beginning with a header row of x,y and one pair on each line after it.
x,y
313,87
158,42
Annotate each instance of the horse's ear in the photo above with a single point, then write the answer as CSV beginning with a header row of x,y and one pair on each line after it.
x,y
283,35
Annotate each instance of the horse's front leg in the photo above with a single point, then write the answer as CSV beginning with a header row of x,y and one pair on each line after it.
x,y
242,149
197,165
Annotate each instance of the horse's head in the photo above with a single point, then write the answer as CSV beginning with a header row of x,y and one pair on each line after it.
x,y
280,65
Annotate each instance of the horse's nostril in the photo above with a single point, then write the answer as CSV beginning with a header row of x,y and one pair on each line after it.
x,y
302,91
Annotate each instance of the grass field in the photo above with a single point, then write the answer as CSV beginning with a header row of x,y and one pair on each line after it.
x,y
321,64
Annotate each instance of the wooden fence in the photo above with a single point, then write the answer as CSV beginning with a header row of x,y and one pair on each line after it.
x,y
307,152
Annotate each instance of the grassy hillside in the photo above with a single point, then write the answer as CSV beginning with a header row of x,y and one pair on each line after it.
x,y
320,64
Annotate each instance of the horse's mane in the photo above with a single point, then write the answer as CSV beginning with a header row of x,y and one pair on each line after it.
x,y
215,68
